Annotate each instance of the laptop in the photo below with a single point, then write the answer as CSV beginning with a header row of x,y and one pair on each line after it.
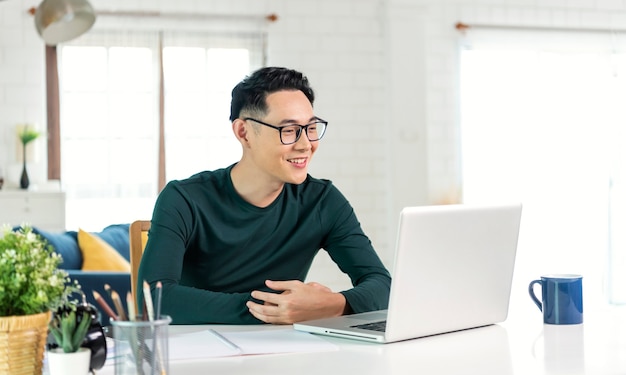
x,y
453,270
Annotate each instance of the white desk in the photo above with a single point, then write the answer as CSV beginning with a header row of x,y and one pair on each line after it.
x,y
596,347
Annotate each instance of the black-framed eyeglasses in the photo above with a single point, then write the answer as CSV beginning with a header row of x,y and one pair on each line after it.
x,y
290,134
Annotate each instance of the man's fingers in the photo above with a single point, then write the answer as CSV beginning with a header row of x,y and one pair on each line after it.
x,y
319,286
282,285
285,287
266,313
266,310
266,297
290,301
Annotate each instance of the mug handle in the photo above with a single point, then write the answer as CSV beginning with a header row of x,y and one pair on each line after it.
x,y
531,291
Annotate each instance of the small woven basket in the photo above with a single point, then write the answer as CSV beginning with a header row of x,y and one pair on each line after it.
x,y
22,343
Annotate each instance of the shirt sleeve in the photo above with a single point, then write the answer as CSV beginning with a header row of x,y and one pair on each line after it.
x,y
354,254
172,223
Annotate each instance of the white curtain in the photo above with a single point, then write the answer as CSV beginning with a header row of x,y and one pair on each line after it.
x,y
543,122
109,85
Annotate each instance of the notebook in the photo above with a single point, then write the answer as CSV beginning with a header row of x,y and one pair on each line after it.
x,y
452,271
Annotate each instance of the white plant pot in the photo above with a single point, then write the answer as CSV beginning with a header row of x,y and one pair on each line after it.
x,y
60,363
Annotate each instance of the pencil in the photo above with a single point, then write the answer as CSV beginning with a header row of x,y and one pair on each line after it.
x,y
132,315
150,308
148,298
144,311
107,288
107,309
118,305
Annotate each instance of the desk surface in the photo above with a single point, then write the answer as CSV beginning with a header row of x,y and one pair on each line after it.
x,y
596,347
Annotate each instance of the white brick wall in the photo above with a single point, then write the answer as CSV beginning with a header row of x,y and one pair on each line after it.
x,y
21,86
385,72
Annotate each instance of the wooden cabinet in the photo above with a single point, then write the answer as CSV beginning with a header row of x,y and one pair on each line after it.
x,y
42,209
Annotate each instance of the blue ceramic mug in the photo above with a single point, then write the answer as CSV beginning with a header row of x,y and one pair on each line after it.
x,y
561,298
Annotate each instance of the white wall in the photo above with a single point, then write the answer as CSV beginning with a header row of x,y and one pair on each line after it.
x,y
385,72
437,42
22,90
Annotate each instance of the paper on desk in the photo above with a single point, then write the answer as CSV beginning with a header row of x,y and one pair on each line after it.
x,y
201,344
204,344
279,341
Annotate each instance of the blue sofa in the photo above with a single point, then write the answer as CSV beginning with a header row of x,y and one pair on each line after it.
x,y
66,244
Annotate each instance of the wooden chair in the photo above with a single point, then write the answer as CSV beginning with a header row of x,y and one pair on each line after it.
x,y
138,237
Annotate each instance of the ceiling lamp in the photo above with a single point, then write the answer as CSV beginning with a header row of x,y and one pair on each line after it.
x,y
59,21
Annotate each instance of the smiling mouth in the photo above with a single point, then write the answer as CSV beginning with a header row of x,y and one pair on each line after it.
x,y
297,161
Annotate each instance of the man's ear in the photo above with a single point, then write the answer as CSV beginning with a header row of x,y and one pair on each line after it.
x,y
240,130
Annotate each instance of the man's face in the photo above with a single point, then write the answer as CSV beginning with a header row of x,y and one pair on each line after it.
x,y
284,163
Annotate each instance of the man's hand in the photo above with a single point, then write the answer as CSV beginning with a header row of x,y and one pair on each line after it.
x,y
296,302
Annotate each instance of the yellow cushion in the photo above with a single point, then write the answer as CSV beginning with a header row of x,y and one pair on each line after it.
x,y
99,255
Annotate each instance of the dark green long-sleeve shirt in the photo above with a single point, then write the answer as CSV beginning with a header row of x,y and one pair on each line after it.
x,y
210,248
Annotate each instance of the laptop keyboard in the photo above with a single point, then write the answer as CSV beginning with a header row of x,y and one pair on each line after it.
x,y
375,326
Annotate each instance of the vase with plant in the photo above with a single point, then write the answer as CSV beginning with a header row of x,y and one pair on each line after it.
x,y
26,134
31,287
69,328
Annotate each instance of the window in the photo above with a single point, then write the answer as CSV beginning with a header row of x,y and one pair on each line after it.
x,y
109,92
542,122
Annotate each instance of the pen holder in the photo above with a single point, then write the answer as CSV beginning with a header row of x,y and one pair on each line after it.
x,y
141,347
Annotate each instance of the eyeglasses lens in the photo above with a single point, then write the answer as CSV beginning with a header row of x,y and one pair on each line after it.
x,y
314,132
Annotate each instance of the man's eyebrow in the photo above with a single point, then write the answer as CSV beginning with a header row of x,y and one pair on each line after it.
x,y
294,122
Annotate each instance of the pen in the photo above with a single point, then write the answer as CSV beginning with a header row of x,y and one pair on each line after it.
x,y
159,294
226,341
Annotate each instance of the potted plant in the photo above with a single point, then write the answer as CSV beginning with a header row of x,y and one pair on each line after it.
x,y
69,328
31,287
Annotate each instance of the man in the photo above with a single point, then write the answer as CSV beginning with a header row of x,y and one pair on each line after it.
x,y
234,245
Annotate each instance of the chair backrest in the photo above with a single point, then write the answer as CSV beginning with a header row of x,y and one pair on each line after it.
x,y
138,237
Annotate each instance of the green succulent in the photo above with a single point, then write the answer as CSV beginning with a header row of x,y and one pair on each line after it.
x,y
69,331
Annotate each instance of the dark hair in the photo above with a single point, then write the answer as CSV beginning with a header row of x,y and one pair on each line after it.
x,y
251,92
